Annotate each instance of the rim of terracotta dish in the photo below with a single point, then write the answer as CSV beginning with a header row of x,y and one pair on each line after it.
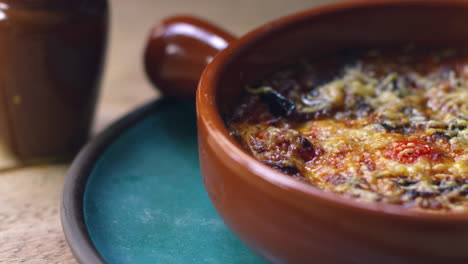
x,y
208,114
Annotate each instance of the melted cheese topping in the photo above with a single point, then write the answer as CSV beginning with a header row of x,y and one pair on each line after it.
x,y
381,125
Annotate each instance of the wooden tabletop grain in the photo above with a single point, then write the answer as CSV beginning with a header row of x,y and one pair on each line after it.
x,y
30,230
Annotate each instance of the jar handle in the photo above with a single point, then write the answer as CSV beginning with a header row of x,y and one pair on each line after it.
x,y
178,50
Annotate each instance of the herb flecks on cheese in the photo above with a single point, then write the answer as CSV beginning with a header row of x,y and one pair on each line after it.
x,y
379,125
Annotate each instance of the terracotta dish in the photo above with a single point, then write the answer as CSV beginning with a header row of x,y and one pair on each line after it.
x,y
282,219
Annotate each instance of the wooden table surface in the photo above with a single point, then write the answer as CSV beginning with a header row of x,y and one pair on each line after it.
x,y
30,229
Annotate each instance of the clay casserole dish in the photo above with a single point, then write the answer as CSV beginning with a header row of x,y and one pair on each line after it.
x,y
283,219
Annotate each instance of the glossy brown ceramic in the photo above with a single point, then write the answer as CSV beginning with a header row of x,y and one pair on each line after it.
x,y
51,56
287,221
178,50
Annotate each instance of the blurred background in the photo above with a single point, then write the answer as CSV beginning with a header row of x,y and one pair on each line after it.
x,y
125,85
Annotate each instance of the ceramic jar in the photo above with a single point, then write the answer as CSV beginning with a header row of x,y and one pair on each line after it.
x,y
51,58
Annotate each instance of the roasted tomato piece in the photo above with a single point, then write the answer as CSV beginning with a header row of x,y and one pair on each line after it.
x,y
408,151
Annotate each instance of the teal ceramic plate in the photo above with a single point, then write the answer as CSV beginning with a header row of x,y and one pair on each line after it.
x,y
135,195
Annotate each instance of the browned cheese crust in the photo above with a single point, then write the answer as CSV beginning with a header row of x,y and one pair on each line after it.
x,y
386,125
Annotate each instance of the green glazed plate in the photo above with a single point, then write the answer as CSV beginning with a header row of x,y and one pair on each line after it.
x,y
135,195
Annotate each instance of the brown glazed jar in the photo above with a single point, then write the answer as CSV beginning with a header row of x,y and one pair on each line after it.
x,y
51,58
